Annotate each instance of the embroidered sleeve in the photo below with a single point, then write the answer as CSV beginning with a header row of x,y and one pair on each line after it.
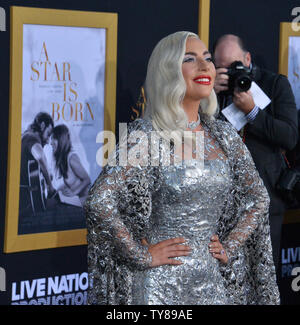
x,y
117,212
253,205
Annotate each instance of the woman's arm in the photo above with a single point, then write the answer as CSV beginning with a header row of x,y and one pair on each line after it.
x,y
252,199
105,221
80,173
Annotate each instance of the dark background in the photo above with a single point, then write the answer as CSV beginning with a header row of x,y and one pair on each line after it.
x,y
141,24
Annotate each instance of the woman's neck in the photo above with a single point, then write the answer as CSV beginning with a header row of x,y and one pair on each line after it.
x,y
191,109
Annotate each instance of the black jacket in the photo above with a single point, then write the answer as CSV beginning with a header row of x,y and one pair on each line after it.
x,y
273,129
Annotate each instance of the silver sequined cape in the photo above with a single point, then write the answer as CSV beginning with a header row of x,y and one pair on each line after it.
x,y
119,210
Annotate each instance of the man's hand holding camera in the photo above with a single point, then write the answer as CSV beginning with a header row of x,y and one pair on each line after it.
x,y
221,81
243,100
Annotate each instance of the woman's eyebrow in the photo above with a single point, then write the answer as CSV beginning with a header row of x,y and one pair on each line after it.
x,y
195,54
191,53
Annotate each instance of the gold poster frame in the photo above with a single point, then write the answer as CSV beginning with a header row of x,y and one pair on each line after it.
x,y
25,15
203,21
286,30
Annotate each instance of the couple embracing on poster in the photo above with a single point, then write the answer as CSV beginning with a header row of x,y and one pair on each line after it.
x,y
39,188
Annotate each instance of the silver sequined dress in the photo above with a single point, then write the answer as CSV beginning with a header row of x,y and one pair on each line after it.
x,y
159,202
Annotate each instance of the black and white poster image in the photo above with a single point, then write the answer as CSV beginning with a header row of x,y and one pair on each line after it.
x,y
52,191
62,112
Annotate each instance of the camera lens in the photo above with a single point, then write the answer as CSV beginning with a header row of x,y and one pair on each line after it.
x,y
243,83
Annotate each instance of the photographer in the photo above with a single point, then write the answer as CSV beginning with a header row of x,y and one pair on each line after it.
x,y
269,131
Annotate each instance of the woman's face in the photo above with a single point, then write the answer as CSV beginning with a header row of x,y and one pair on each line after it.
x,y
198,70
45,133
54,143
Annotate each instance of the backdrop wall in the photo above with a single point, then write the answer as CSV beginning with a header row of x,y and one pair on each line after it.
x,y
141,24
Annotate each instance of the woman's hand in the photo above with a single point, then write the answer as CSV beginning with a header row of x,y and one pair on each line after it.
x,y
163,251
217,250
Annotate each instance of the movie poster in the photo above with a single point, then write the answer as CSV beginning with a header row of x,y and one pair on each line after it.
x,y
62,113
294,67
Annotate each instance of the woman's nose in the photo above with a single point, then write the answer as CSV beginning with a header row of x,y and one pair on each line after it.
x,y
203,65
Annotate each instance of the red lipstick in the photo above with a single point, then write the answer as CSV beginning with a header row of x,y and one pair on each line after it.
x,y
203,80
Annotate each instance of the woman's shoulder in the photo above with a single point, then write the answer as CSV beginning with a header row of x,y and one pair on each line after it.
x,y
226,128
73,157
226,134
140,124
137,131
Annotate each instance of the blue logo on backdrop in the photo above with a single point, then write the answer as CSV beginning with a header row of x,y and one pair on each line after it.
x,y
290,258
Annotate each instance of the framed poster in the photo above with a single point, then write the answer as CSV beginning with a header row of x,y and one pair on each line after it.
x,y
289,65
62,95
289,56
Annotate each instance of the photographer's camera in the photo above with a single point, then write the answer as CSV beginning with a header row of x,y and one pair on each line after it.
x,y
240,78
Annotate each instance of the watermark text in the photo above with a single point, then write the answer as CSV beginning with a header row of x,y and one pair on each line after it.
x,y
2,279
296,281
142,149
2,20
296,20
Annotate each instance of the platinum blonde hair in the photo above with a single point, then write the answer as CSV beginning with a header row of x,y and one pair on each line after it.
x,y
165,86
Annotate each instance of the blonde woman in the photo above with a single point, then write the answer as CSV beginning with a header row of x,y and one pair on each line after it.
x,y
164,230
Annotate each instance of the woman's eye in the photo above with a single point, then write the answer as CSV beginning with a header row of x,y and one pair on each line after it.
x,y
209,59
188,59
